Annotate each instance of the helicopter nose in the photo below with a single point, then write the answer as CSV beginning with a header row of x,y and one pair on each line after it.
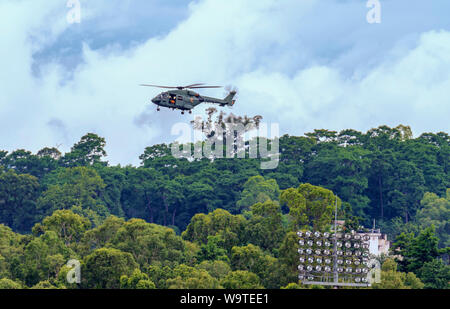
x,y
156,100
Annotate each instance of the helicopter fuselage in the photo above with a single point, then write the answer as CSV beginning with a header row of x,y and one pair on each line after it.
x,y
187,100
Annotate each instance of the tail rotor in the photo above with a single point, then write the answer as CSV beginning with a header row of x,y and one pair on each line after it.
x,y
232,94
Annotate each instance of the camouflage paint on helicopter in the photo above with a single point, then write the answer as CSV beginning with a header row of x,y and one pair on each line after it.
x,y
184,99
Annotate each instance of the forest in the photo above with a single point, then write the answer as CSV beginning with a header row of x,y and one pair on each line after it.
x,y
222,223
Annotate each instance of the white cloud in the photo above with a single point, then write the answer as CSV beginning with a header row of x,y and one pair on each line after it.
x,y
254,45
412,89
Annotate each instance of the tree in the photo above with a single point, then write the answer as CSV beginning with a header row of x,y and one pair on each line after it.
x,y
296,203
310,206
159,275
141,196
258,190
104,267
149,243
115,179
159,157
435,274
436,211
292,286
295,152
407,188
44,285
24,162
392,279
11,249
172,197
265,226
241,279
416,251
52,152
217,269
102,235
424,249
42,259
342,170
288,257
3,160
68,226
213,250
200,198
379,176
89,150
322,135
186,277
18,195
8,284
251,258
231,227
138,280
78,189
153,152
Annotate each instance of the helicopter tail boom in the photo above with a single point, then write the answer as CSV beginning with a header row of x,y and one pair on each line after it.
x,y
229,98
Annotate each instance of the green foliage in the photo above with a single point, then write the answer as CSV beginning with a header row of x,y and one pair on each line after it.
x,y
42,258
18,195
292,286
67,225
137,280
241,279
213,250
217,269
8,284
296,203
102,235
343,170
265,227
416,251
237,228
392,279
310,206
186,277
24,162
251,258
436,211
89,150
104,267
230,227
435,274
44,285
11,247
288,257
149,243
258,190
396,226
78,189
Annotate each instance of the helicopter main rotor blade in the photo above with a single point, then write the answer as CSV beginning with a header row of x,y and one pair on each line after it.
x,y
193,85
200,87
166,87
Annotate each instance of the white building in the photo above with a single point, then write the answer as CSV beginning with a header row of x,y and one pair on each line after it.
x,y
378,243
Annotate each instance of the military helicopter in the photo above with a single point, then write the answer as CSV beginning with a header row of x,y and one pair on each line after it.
x,y
184,99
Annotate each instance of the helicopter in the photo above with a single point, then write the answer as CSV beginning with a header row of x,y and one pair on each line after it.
x,y
185,99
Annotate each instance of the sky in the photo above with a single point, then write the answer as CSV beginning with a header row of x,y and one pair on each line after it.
x,y
303,64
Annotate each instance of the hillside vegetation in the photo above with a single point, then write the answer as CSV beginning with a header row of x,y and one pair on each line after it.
x,y
223,223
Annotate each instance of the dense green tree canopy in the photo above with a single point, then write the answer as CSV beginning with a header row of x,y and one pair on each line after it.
x,y
222,222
